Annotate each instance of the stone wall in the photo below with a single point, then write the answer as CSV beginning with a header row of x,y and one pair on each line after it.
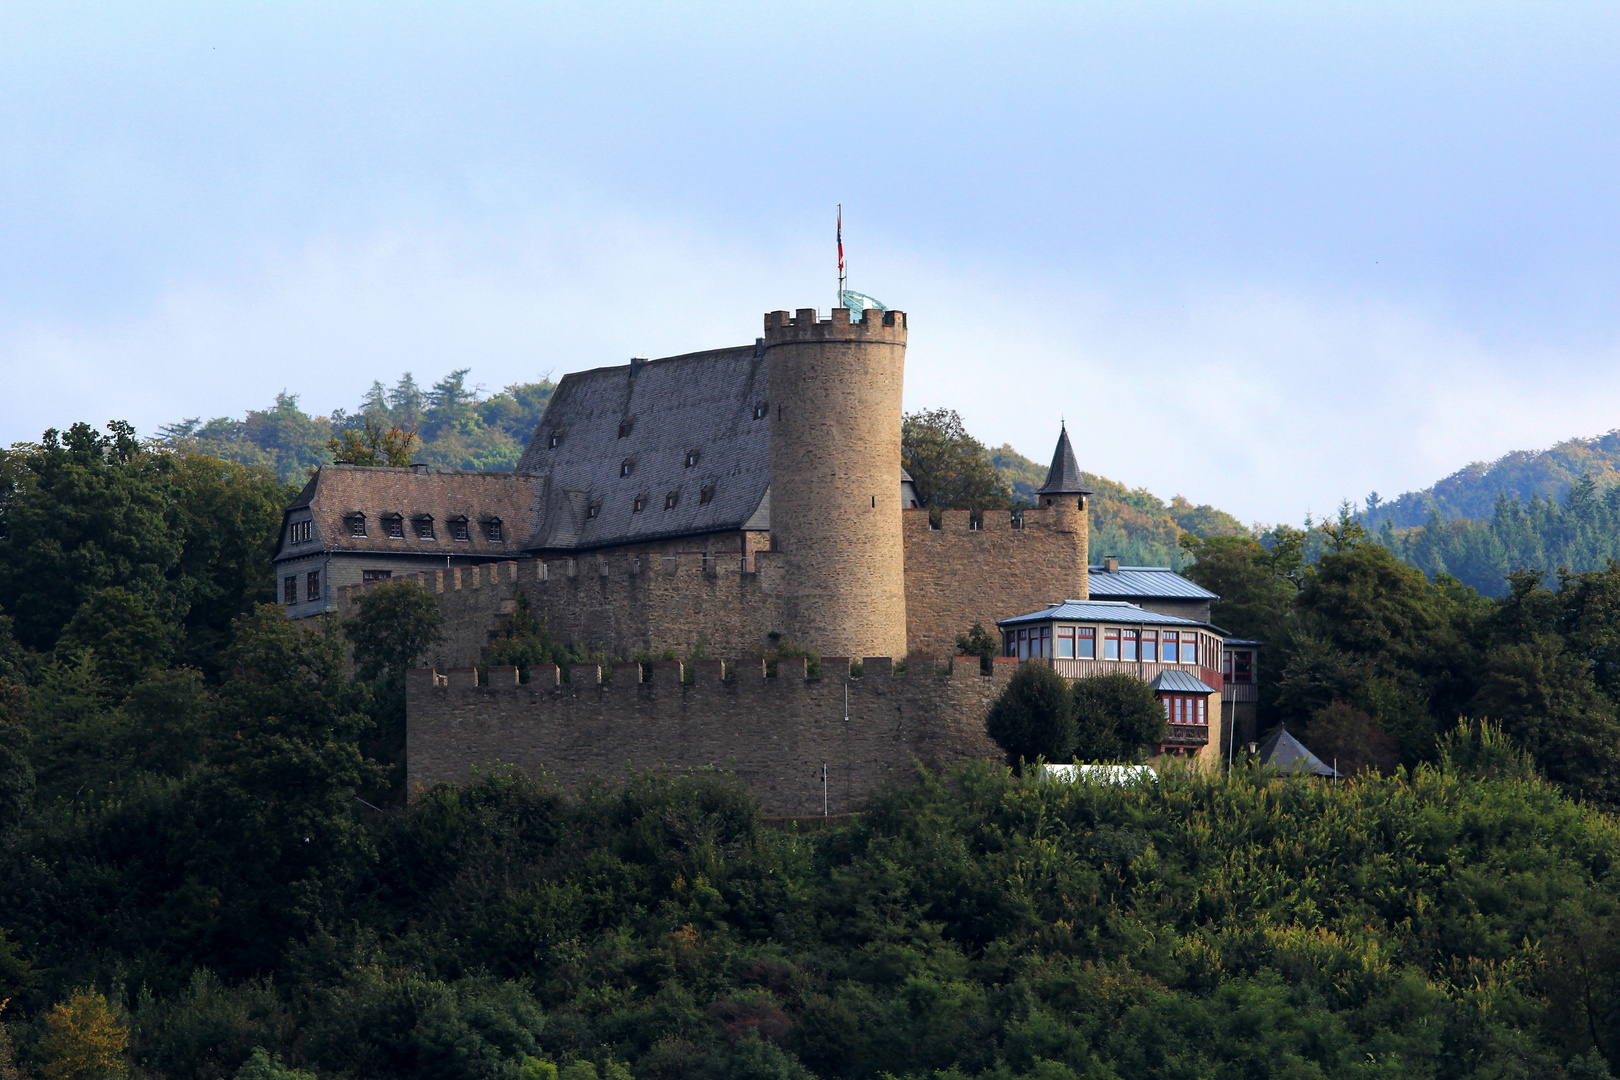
x,y
775,734
655,597
957,575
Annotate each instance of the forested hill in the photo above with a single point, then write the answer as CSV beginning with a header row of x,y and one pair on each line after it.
x,y
455,426
1131,523
1471,492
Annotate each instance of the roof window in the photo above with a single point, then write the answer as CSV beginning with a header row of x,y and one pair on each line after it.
x,y
393,527
762,410
705,495
492,530
300,532
458,529
357,524
626,466
593,509
555,440
625,426
671,500
639,503
691,458
424,526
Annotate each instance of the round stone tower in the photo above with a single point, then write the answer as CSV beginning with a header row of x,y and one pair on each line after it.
x,y
835,478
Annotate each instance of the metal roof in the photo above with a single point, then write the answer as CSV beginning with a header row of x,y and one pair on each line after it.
x,y
1113,611
1063,478
1283,751
1180,682
1155,582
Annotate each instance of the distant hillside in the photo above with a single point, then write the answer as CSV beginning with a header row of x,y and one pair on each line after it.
x,y
457,428
1472,492
1133,524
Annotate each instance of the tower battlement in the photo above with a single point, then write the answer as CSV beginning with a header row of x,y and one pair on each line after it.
x,y
805,325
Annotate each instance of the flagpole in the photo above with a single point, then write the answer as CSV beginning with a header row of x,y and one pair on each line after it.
x,y
841,274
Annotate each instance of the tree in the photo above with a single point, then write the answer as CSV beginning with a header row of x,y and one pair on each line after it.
x,y
16,773
87,512
263,1066
981,643
84,1039
1254,600
395,624
373,445
1351,741
1034,716
950,468
122,632
1116,717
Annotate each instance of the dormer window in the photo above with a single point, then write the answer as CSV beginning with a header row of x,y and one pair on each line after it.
x,y
555,440
458,529
762,410
492,530
639,503
357,524
593,509
671,499
624,428
394,527
691,458
705,495
625,466
300,532
424,527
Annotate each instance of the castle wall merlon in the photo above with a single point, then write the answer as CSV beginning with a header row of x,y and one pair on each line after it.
x,y
804,326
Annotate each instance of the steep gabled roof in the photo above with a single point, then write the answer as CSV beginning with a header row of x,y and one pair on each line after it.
x,y
1063,478
653,415
338,492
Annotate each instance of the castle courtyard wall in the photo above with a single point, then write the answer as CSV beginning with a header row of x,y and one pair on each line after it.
x,y
775,734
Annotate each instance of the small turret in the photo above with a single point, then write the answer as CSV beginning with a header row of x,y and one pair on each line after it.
x,y
1064,494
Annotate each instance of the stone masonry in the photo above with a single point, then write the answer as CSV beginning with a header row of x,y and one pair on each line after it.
x,y
775,734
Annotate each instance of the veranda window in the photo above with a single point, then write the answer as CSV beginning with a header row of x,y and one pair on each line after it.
x,y
1150,646
1085,643
1172,647
1189,648
1127,645
1065,643
1110,644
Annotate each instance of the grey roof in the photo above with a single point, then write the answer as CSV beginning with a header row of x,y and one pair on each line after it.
x,y
1112,611
1063,478
1243,641
1283,751
702,403
1181,683
1156,582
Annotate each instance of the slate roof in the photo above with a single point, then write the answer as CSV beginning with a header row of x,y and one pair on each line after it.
x,y
697,403
1148,582
1179,682
1112,611
1283,751
336,492
1063,478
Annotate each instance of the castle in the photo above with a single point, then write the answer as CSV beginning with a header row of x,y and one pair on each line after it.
x,y
721,503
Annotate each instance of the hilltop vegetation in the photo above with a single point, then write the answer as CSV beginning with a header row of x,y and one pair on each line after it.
x,y
454,427
1473,492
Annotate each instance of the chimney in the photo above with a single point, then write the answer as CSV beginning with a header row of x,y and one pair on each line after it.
x,y
1111,564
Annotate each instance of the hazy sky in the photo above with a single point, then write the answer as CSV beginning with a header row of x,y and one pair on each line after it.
x,y
1265,256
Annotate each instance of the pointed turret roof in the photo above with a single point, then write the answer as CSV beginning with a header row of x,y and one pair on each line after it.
x,y
1283,751
1064,476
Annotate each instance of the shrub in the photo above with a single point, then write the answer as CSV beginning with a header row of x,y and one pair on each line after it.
x,y
1034,717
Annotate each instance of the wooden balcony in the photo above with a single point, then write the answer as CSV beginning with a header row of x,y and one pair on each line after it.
x,y
1180,735
1147,672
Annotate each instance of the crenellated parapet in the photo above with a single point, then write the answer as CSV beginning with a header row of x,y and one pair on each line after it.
x,y
775,732
805,325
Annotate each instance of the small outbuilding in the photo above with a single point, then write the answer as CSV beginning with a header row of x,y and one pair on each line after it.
x,y
1287,754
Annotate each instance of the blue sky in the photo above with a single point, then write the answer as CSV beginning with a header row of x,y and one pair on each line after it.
x,y
1265,256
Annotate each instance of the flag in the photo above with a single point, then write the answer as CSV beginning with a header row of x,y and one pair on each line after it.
x,y
840,241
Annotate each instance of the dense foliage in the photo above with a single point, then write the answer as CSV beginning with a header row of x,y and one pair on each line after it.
x,y
450,426
1041,715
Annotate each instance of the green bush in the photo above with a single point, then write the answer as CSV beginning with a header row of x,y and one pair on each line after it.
x,y
1034,716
